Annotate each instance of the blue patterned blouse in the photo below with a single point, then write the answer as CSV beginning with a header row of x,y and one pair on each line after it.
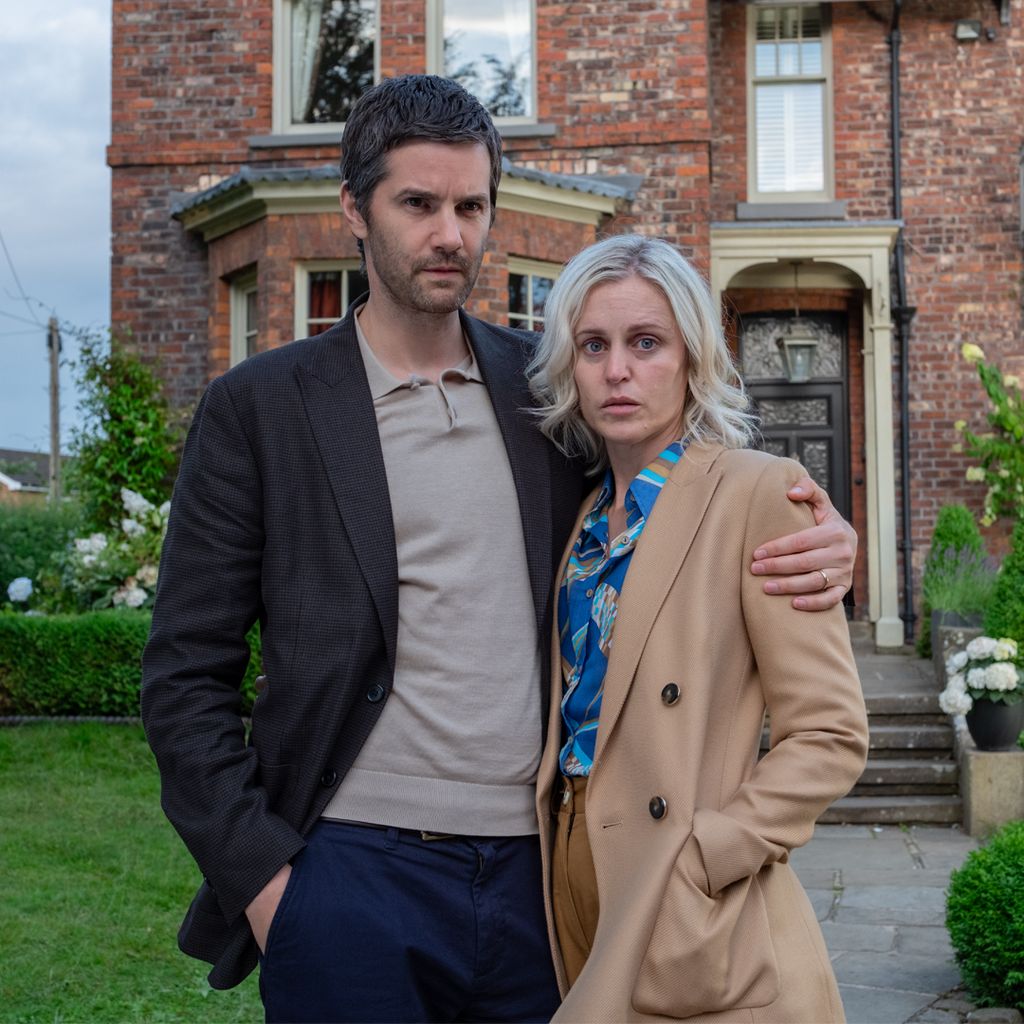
x,y
588,600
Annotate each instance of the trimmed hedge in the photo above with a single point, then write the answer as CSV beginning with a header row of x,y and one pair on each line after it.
x,y
82,664
30,536
985,918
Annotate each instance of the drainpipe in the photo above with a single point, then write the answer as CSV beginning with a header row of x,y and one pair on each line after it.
x,y
903,316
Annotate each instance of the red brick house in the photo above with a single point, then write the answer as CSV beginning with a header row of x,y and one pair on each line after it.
x,y
757,136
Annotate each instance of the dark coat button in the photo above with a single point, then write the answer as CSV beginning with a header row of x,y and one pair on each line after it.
x,y
670,694
375,694
329,778
657,807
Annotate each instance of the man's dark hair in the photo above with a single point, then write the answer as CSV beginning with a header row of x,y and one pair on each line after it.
x,y
412,108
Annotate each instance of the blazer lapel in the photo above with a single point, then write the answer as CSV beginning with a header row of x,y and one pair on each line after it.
x,y
658,557
501,367
339,406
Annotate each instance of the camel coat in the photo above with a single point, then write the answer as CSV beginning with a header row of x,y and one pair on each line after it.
x,y
701,916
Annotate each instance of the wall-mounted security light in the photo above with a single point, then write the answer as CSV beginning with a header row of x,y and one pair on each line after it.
x,y
967,30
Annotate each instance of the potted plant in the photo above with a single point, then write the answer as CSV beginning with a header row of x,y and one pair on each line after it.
x,y
957,581
985,683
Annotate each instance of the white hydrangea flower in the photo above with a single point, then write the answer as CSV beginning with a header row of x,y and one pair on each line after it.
x,y
97,542
82,545
1002,676
955,702
88,560
975,474
955,662
19,589
134,503
132,596
165,509
132,528
147,576
1006,649
981,647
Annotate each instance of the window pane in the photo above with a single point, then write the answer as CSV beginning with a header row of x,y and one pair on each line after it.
x,y
325,295
250,312
332,45
810,58
541,289
810,24
766,20
789,58
517,293
789,23
790,138
488,48
764,60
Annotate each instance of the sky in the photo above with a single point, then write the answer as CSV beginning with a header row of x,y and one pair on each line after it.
x,y
54,201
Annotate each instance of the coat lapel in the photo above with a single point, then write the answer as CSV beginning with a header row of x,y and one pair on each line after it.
x,y
501,366
659,555
339,406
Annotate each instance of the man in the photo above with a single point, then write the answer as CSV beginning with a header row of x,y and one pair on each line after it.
x,y
381,501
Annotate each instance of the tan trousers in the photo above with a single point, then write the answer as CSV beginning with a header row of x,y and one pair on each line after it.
x,y
573,883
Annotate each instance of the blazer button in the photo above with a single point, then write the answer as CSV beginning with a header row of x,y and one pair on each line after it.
x,y
329,778
657,807
375,694
670,694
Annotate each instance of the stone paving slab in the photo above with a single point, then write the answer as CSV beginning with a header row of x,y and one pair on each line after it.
x,y
840,938
882,1006
892,904
897,971
926,941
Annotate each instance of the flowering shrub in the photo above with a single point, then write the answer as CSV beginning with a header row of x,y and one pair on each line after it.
x,y
118,568
986,669
1000,453
20,592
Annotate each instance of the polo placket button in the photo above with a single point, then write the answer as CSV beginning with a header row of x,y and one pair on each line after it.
x,y
658,807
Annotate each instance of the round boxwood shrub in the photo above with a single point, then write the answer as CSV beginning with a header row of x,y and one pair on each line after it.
x,y
985,918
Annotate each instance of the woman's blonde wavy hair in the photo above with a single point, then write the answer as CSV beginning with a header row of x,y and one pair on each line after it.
x,y
716,407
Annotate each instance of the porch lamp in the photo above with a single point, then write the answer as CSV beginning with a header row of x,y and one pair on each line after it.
x,y
798,345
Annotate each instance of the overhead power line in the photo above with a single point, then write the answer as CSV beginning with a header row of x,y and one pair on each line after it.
x,y
17,281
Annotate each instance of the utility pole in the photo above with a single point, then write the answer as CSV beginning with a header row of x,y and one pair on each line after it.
x,y
53,343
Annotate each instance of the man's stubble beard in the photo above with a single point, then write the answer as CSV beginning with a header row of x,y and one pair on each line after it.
x,y
408,288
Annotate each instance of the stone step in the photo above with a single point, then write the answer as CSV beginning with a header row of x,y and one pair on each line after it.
x,y
905,771
911,737
880,810
912,702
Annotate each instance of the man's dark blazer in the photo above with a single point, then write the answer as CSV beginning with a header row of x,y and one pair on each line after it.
x,y
281,513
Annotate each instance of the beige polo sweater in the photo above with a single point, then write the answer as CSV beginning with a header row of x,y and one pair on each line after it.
x,y
457,745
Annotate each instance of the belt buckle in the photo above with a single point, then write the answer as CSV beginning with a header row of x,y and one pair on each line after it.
x,y
433,837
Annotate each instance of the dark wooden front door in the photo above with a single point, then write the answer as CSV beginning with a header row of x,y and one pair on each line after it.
x,y
807,422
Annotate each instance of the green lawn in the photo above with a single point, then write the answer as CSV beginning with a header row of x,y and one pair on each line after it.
x,y
94,885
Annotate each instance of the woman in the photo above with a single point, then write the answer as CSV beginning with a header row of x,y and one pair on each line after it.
x,y
669,893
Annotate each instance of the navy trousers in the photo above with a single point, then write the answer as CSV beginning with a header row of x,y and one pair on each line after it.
x,y
383,925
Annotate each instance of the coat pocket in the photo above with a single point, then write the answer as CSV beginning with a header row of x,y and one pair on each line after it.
x,y
707,953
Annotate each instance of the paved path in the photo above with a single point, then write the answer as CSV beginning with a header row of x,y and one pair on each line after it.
x,y
879,893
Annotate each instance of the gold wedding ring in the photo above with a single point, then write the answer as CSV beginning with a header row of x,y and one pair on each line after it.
x,y
824,579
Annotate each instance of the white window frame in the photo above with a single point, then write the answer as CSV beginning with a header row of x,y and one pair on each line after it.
x,y
281,114
827,125
530,269
435,55
242,332
302,271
